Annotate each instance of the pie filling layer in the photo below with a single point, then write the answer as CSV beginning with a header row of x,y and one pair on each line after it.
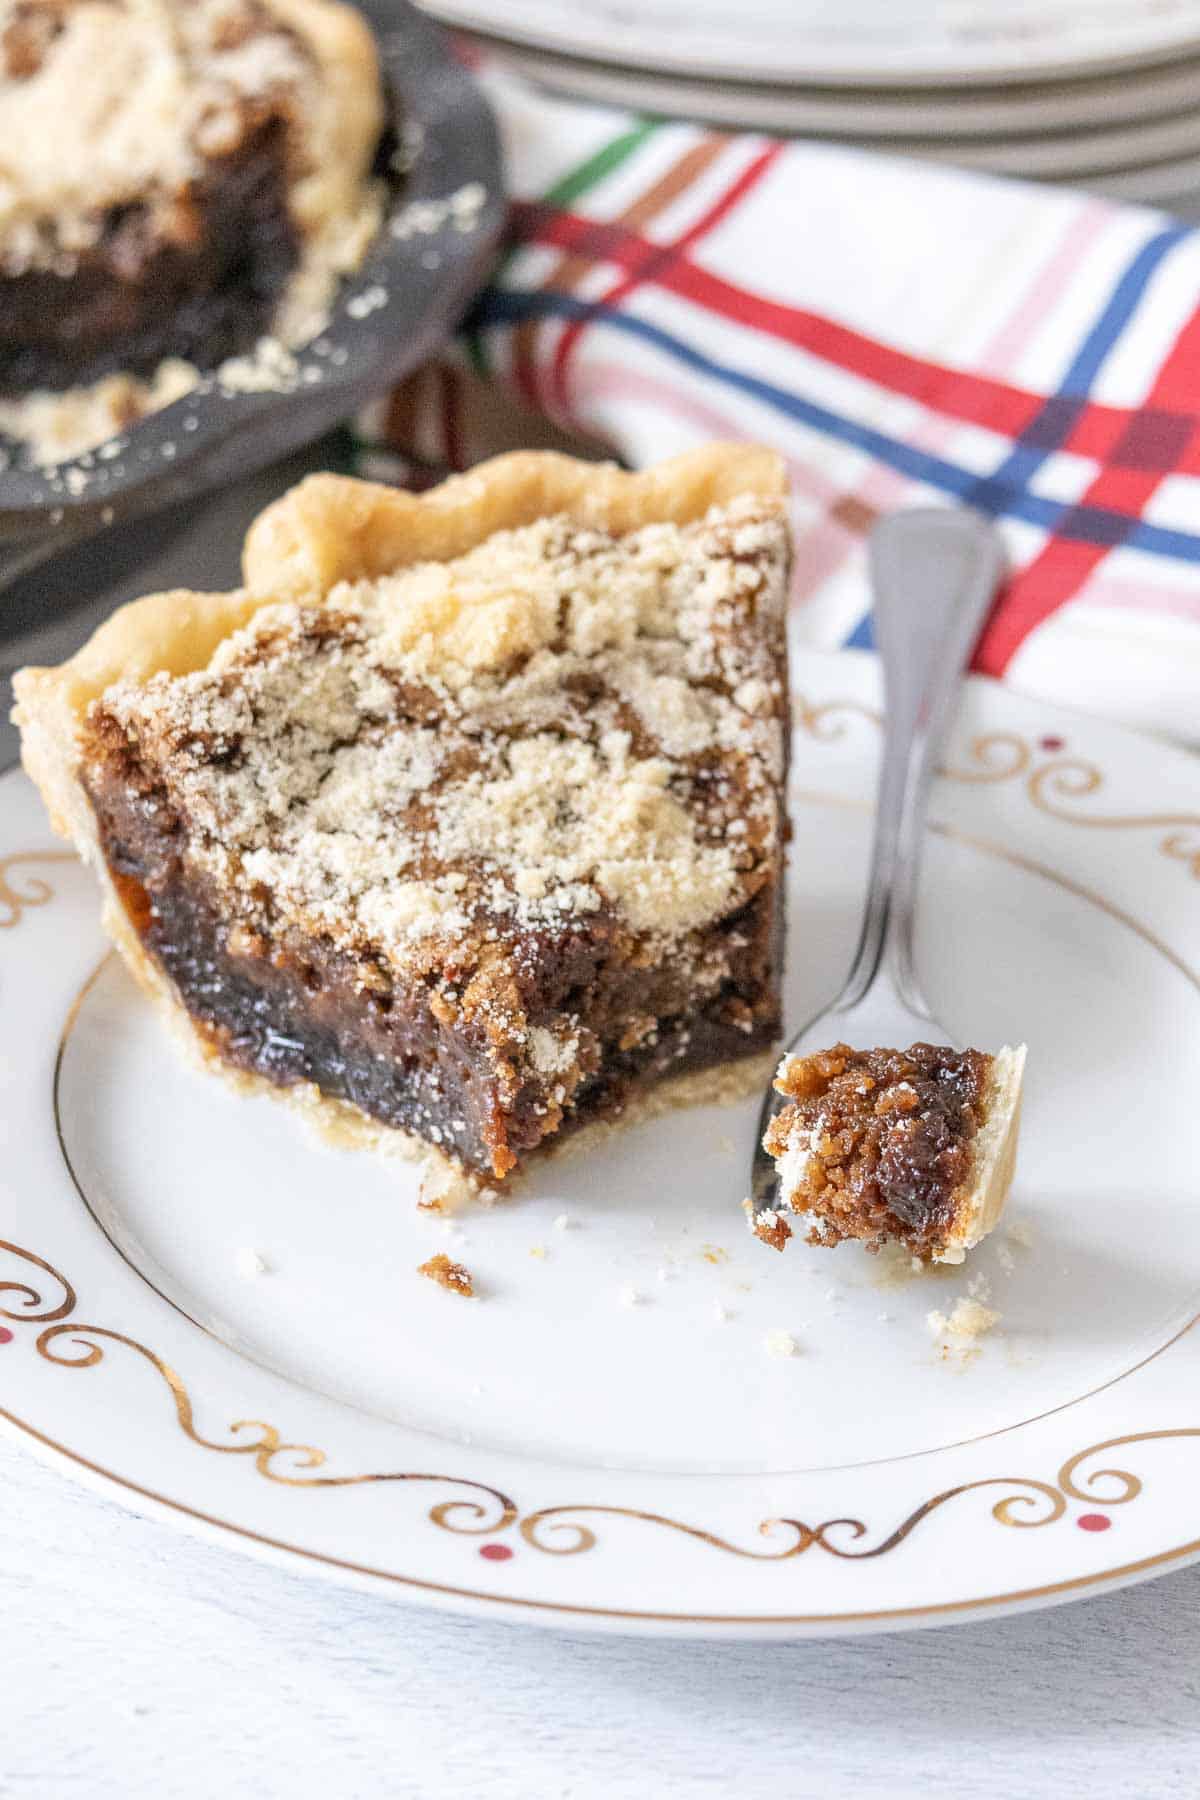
x,y
295,1010
480,848
877,1144
200,282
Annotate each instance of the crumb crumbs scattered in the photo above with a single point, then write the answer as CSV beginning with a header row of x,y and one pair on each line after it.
x,y
538,1251
424,218
361,306
979,1287
713,1253
969,1318
768,1226
250,1263
780,1343
719,1312
628,1296
270,368
450,1275
1005,1258
562,1222
1019,1232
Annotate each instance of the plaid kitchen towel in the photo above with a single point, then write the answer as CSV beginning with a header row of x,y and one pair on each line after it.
x,y
904,333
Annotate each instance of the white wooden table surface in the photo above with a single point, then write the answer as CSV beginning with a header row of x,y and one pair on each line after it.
x,y
135,1661
139,1662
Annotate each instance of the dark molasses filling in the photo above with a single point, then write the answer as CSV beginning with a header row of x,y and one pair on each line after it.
x,y
296,1009
200,279
889,1140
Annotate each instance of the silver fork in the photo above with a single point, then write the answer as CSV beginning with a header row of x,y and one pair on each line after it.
x,y
934,574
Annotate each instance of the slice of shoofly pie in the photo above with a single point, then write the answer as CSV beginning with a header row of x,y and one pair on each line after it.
x,y
462,821
911,1146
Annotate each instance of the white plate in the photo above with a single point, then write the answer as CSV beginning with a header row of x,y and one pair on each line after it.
x,y
1136,97
548,1453
858,42
1054,155
1173,185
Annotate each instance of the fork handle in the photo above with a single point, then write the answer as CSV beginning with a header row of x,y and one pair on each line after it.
x,y
934,575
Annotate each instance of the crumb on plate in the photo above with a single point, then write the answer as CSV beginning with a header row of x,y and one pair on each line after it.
x,y
969,1318
454,1277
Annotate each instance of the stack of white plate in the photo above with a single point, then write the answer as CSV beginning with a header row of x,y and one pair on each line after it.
x,y
1102,93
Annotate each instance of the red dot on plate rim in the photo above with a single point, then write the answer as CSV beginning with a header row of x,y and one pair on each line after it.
x,y
495,1552
6,1336
1093,1522
1053,743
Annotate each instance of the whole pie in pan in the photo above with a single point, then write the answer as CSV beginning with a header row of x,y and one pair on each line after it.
x,y
913,1146
463,821
178,179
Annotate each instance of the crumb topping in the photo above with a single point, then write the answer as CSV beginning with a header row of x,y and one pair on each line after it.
x,y
57,426
552,728
453,1276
